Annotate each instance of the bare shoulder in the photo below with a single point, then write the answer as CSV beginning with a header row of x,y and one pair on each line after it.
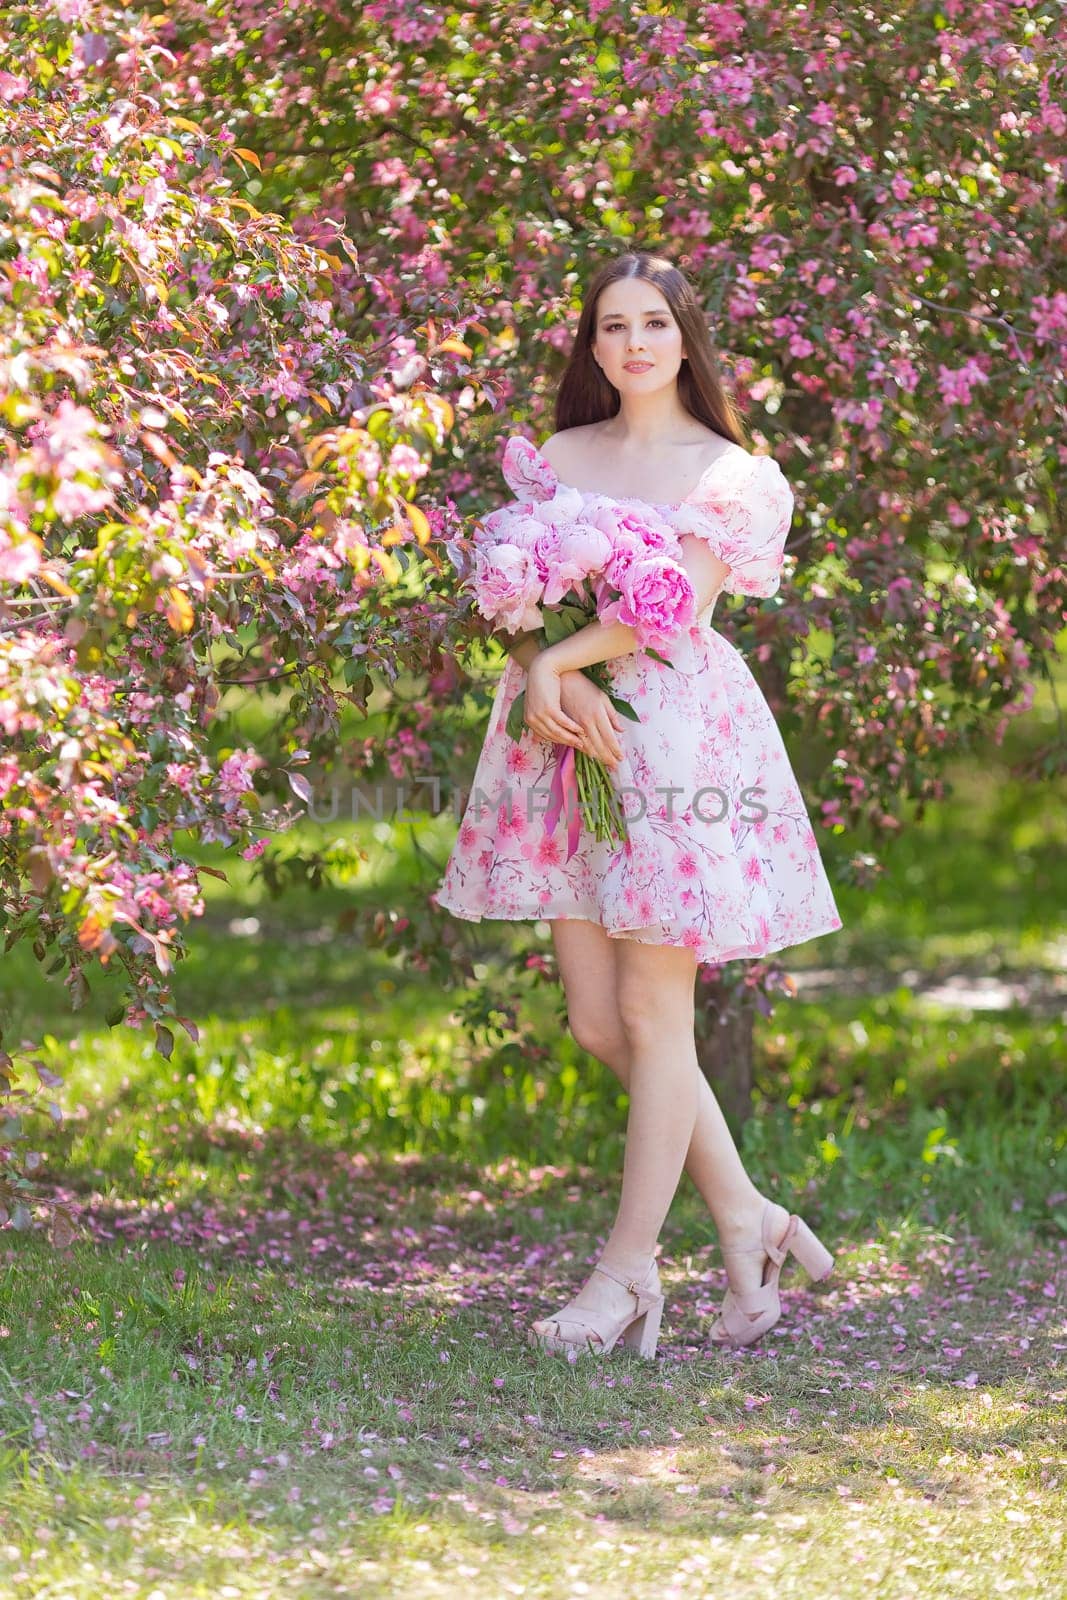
x,y
567,446
726,450
583,453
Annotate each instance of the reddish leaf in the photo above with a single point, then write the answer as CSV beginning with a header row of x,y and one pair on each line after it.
x,y
299,785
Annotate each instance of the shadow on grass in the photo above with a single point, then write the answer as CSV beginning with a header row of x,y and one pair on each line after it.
x,y
223,1372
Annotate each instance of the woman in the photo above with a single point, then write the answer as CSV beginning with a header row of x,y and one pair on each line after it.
x,y
643,426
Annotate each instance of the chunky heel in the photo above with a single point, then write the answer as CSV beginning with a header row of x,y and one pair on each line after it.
x,y
810,1252
744,1318
642,1335
637,1329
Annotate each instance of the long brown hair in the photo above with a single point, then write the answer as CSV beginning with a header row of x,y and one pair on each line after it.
x,y
586,395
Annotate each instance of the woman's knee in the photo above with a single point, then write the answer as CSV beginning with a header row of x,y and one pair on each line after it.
x,y
586,958
602,1038
649,1013
655,991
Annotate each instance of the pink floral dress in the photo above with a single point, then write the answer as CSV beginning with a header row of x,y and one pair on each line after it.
x,y
721,856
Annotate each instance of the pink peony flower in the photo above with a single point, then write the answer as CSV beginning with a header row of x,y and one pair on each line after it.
x,y
622,558
610,517
631,527
525,470
506,584
563,560
626,560
517,525
655,598
545,549
585,548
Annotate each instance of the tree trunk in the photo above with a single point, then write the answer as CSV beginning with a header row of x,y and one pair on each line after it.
x,y
725,1021
726,1013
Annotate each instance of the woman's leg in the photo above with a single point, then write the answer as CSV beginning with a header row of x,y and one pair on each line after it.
x,y
655,987
588,968
655,994
591,973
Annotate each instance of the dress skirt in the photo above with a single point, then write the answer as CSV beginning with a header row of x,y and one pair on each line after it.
x,y
721,856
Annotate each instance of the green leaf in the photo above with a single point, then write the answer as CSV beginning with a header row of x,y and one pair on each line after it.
x,y
556,626
515,725
624,708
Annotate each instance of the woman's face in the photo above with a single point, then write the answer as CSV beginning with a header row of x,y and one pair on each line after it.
x,y
636,340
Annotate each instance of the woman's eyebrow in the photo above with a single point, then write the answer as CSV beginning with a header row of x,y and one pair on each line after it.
x,y
655,312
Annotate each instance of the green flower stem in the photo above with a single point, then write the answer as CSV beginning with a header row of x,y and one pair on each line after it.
x,y
582,777
597,801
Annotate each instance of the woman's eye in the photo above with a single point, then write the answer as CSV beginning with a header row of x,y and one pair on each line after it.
x,y
654,322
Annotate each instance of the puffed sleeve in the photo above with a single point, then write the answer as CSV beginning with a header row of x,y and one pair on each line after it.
x,y
745,520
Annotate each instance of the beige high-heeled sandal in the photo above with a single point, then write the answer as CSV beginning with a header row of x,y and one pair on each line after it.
x,y
744,1318
638,1328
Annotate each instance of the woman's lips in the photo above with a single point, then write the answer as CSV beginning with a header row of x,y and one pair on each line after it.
x,y
636,366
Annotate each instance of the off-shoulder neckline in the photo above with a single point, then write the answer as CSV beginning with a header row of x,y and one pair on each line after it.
x,y
633,499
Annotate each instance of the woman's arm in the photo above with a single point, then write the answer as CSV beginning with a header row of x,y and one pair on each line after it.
x,y
522,646
706,572
598,641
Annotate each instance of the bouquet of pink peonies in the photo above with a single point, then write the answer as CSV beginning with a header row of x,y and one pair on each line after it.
x,y
551,567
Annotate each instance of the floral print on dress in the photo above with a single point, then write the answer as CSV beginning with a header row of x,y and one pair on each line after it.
x,y
745,520
722,857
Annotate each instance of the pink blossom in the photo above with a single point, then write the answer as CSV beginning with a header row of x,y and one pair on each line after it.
x,y
406,462
9,772
348,538
19,559
956,384
235,774
12,87
70,438
1050,317
74,498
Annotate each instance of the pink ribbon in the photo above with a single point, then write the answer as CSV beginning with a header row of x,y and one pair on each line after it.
x,y
564,788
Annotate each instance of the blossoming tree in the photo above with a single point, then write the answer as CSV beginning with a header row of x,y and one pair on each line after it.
x,y
875,213
208,479
216,421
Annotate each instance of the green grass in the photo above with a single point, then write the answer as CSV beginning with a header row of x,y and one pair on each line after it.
x,y
286,1356
350,1409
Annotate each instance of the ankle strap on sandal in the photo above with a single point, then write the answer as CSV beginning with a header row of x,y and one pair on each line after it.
x,y
633,1284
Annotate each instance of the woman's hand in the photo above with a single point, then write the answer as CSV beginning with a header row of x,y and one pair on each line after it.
x,y
543,712
568,708
592,709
